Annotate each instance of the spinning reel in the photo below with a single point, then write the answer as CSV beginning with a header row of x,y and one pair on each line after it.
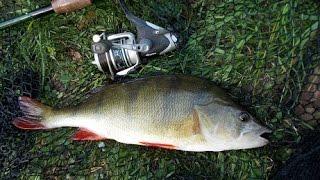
x,y
119,54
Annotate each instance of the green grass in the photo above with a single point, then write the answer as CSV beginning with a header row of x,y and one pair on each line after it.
x,y
255,49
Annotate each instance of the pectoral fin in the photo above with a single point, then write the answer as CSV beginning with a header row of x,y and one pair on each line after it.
x,y
196,129
85,135
201,112
206,124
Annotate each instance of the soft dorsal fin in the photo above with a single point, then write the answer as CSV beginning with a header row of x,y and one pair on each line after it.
x,y
86,135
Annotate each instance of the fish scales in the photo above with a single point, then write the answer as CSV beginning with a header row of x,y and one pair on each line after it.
x,y
163,116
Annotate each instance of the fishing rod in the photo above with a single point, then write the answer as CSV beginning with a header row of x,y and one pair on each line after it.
x,y
115,54
58,6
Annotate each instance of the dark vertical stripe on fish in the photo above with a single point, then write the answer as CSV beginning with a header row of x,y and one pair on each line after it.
x,y
133,94
169,105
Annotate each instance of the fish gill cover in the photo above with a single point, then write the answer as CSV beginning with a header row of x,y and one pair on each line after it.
x,y
263,52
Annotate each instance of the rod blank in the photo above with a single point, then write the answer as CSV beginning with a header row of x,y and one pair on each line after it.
x,y
25,17
58,6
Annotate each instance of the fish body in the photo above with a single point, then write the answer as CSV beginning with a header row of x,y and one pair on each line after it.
x,y
173,112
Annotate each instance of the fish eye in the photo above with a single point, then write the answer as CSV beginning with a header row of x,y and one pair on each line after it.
x,y
244,116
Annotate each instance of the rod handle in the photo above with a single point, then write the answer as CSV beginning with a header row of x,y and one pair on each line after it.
x,y
64,6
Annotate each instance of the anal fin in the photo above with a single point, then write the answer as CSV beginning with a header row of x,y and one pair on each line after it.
x,y
86,135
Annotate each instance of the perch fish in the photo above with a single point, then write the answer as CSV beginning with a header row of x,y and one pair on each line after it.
x,y
173,112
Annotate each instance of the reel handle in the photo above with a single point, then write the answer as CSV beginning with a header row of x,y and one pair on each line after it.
x,y
64,6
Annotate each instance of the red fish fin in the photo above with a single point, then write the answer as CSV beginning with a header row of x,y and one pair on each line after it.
x,y
158,145
85,135
33,113
27,123
31,108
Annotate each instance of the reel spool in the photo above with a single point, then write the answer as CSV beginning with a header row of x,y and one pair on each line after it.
x,y
119,54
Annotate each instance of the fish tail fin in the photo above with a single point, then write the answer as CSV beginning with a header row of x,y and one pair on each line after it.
x,y
33,114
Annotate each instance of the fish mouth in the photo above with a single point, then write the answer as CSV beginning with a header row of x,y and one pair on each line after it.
x,y
252,139
264,135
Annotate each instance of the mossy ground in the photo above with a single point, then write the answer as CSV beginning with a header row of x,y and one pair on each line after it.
x,y
255,49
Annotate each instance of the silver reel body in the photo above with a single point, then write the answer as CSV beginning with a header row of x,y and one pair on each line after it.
x,y
115,59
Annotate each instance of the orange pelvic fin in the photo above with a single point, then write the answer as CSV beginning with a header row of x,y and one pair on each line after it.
x,y
86,135
158,145
27,123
